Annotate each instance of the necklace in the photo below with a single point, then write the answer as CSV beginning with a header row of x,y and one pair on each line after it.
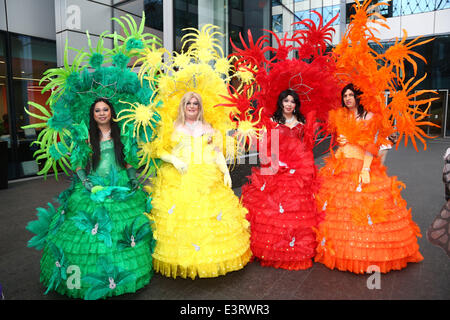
x,y
292,119
106,135
191,125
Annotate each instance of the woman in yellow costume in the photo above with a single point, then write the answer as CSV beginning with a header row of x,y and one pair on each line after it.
x,y
366,221
198,221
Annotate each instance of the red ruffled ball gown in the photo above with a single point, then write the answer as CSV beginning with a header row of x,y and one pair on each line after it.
x,y
281,204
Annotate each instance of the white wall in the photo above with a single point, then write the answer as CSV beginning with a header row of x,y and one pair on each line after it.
x,y
422,24
75,17
2,15
29,17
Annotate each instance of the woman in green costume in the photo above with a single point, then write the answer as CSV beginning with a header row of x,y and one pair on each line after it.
x,y
100,243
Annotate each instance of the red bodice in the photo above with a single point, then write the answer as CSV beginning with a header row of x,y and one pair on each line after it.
x,y
291,145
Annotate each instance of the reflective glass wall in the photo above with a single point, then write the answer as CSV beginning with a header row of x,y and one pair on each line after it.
x,y
154,14
406,7
232,16
185,15
437,69
26,58
5,145
249,15
4,118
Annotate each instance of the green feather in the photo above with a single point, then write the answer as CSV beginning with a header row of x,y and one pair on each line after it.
x,y
41,226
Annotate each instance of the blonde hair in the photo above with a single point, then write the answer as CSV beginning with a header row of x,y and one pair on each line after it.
x,y
182,108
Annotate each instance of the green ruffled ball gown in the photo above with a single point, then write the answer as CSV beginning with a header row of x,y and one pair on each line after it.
x,y
96,244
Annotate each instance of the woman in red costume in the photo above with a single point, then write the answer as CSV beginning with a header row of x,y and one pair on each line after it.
x,y
280,194
285,99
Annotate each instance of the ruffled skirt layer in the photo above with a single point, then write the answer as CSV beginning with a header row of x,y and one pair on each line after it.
x,y
282,214
199,224
365,226
81,248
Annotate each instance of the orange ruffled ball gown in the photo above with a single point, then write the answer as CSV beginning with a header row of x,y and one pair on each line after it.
x,y
365,224
282,209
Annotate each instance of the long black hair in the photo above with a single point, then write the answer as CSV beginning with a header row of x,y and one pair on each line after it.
x,y
94,135
278,115
357,93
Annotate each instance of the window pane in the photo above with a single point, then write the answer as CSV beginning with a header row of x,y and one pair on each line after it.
x,y
416,6
329,13
277,23
185,16
236,4
301,15
154,14
4,119
442,4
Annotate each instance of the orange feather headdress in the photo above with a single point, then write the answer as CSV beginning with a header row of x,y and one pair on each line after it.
x,y
374,73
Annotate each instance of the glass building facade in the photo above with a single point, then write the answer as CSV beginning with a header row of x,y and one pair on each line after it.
x,y
25,54
232,16
23,60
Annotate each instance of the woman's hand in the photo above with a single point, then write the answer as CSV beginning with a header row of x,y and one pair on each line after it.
x,y
393,137
131,173
341,139
81,173
364,176
227,180
180,165
222,164
88,185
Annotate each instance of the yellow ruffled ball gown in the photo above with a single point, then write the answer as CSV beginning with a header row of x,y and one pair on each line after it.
x,y
199,223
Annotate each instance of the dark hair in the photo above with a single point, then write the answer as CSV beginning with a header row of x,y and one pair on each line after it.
x,y
357,93
94,135
278,115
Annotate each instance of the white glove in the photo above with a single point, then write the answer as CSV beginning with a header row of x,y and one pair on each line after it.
x,y
180,165
227,180
222,164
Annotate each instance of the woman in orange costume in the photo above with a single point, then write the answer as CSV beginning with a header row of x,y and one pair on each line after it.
x,y
366,220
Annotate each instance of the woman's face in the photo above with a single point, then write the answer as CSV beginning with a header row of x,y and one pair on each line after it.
x,y
102,113
288,106
349,99
192,109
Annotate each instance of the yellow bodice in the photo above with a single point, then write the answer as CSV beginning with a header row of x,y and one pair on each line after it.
x,y
196,150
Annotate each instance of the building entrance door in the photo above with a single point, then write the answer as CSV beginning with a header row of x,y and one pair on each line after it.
x,y
439,114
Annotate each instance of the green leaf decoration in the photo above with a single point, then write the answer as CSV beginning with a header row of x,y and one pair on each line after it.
x,y
107,279
120,60
114,193
59,273
98,224
80,155
41,226
148,204
132,235
52,143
